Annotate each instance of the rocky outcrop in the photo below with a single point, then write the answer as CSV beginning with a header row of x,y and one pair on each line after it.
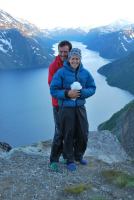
x,y
121,124
4,147
25,173
106,147
127,136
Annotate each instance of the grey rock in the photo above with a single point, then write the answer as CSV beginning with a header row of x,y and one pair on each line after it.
x,y
121,124
5,147
105,146
25,173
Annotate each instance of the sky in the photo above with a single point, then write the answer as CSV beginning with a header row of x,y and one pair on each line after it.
x,y
69,13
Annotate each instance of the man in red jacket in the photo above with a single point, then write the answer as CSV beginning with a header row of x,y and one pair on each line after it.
x,y
63,48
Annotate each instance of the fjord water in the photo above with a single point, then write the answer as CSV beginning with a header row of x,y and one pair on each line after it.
x,y
25,103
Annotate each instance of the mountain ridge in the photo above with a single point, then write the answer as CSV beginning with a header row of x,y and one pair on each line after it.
x,y
22,45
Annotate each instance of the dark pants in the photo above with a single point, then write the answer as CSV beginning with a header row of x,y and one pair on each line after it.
x,y
57,145
74,126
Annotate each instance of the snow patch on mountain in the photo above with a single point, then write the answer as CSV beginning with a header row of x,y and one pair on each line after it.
x,y
123,46
5,43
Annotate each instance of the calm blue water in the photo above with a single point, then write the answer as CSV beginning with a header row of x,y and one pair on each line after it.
x,y
25,103
25,107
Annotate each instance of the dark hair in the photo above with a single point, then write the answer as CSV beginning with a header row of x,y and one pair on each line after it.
x,y
65,43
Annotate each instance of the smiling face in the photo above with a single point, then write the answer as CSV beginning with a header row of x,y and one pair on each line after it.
x,y
63,52
74,61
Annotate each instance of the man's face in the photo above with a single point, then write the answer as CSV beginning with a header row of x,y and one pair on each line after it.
x,y
63,52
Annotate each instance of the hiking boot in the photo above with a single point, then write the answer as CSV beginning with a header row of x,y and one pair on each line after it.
x,y
54,166
71,167
82,162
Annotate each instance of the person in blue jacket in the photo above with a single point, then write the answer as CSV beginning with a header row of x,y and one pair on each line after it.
x,y
75,81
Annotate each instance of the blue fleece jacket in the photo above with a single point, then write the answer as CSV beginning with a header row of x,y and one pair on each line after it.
x,y
62,81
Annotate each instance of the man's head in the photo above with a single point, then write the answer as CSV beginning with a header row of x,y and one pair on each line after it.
x,y
64,47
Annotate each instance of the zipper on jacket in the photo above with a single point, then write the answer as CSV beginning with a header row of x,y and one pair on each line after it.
x,y
76,79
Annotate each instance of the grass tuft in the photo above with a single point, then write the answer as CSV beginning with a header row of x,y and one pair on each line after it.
x,y
119,178
77,189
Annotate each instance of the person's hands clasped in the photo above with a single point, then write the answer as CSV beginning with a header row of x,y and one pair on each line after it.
x,y
73,94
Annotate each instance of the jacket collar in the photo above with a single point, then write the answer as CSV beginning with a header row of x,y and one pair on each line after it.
x,y
67,66
58,60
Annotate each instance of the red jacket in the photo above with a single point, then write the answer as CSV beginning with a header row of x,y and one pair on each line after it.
x,y
54,66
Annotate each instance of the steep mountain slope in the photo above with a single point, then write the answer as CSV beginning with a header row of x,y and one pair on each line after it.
x,y
111,41
122,125
9,22
22,45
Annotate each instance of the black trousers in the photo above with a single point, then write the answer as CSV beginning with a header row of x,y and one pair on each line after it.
x,y
74,127
57,144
